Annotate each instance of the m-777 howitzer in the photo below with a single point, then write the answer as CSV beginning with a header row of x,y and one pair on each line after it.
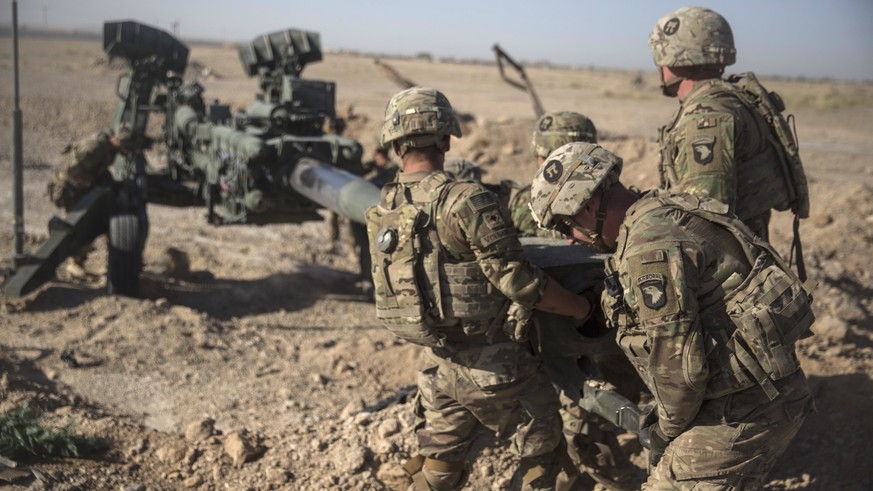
x,y
242,168
117,208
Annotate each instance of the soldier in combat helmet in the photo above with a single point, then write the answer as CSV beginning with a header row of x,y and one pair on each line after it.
x,y
591,442
707,312
728,140
446,262
87,165
552,130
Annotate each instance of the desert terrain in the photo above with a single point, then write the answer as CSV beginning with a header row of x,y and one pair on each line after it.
x,y
262,368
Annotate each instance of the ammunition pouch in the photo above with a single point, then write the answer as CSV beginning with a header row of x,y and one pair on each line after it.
x,y
771,310
467,293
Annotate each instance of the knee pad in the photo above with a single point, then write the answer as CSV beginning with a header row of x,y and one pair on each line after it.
x,y
436,475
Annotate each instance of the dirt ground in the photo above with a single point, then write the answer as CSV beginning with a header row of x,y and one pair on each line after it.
x,y
261,368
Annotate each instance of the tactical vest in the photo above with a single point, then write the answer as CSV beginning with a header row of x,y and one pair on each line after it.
x,y
766,314
773,178
418,286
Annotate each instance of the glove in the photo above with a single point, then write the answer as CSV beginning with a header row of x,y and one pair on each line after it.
x,y
658,442
517,323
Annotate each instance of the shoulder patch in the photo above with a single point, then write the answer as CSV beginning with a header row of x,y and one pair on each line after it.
x,y
653,290
707,123
658,256
703,148
482,201
650,284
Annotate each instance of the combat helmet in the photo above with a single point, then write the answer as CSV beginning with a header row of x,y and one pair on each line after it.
x,y
567,181
554,129
418,117
463,169
692,36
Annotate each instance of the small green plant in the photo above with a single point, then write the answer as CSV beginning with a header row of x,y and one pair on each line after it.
x,y
23,437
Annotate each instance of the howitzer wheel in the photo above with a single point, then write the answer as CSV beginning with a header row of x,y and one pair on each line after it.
x,y
125,256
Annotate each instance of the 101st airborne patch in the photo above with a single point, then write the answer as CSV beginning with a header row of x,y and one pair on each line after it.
x,y
703,149
653,290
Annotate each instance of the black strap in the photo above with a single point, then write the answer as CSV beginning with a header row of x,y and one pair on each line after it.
x,y
797,250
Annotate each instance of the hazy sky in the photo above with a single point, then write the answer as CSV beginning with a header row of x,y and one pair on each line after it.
x,y
815,38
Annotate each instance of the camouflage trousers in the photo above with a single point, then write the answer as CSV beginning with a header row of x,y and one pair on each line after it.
x,y
500,386
735,440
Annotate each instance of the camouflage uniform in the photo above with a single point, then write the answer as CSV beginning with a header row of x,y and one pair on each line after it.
x,y
380,176
716,146
726,407
717,143
591,440
498,383
88,163
461,169
475,375
718,440
552,130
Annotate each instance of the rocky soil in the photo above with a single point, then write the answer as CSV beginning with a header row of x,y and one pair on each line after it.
x,y
262,367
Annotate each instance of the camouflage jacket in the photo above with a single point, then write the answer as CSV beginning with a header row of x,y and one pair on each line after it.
x,y
89,159
672,266
716,146
523,221
473,227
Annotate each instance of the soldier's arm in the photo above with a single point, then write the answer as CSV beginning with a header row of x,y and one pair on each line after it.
x,y
486,228
661,284
705,159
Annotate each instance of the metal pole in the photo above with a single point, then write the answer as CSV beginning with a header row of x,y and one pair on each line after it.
x,y
17,162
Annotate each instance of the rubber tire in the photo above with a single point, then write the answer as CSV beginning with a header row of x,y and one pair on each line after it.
x,y
125,256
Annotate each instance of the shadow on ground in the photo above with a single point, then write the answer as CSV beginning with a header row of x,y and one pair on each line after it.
x,y
839,433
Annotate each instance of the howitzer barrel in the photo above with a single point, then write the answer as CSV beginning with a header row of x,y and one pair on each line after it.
x,y
333,188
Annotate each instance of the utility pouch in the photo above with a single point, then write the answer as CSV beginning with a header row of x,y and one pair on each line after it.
x,y
771,311
398,254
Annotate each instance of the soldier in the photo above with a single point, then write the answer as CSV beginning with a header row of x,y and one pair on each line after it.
x,y
552,130
707,312
592,444
87,166
463,170
446,262
728,140
381,170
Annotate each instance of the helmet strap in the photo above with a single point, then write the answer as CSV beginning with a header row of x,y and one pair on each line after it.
x,y
667,85
601,219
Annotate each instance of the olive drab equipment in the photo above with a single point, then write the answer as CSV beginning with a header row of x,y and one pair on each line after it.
x,y
767,313
784,140
417,286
